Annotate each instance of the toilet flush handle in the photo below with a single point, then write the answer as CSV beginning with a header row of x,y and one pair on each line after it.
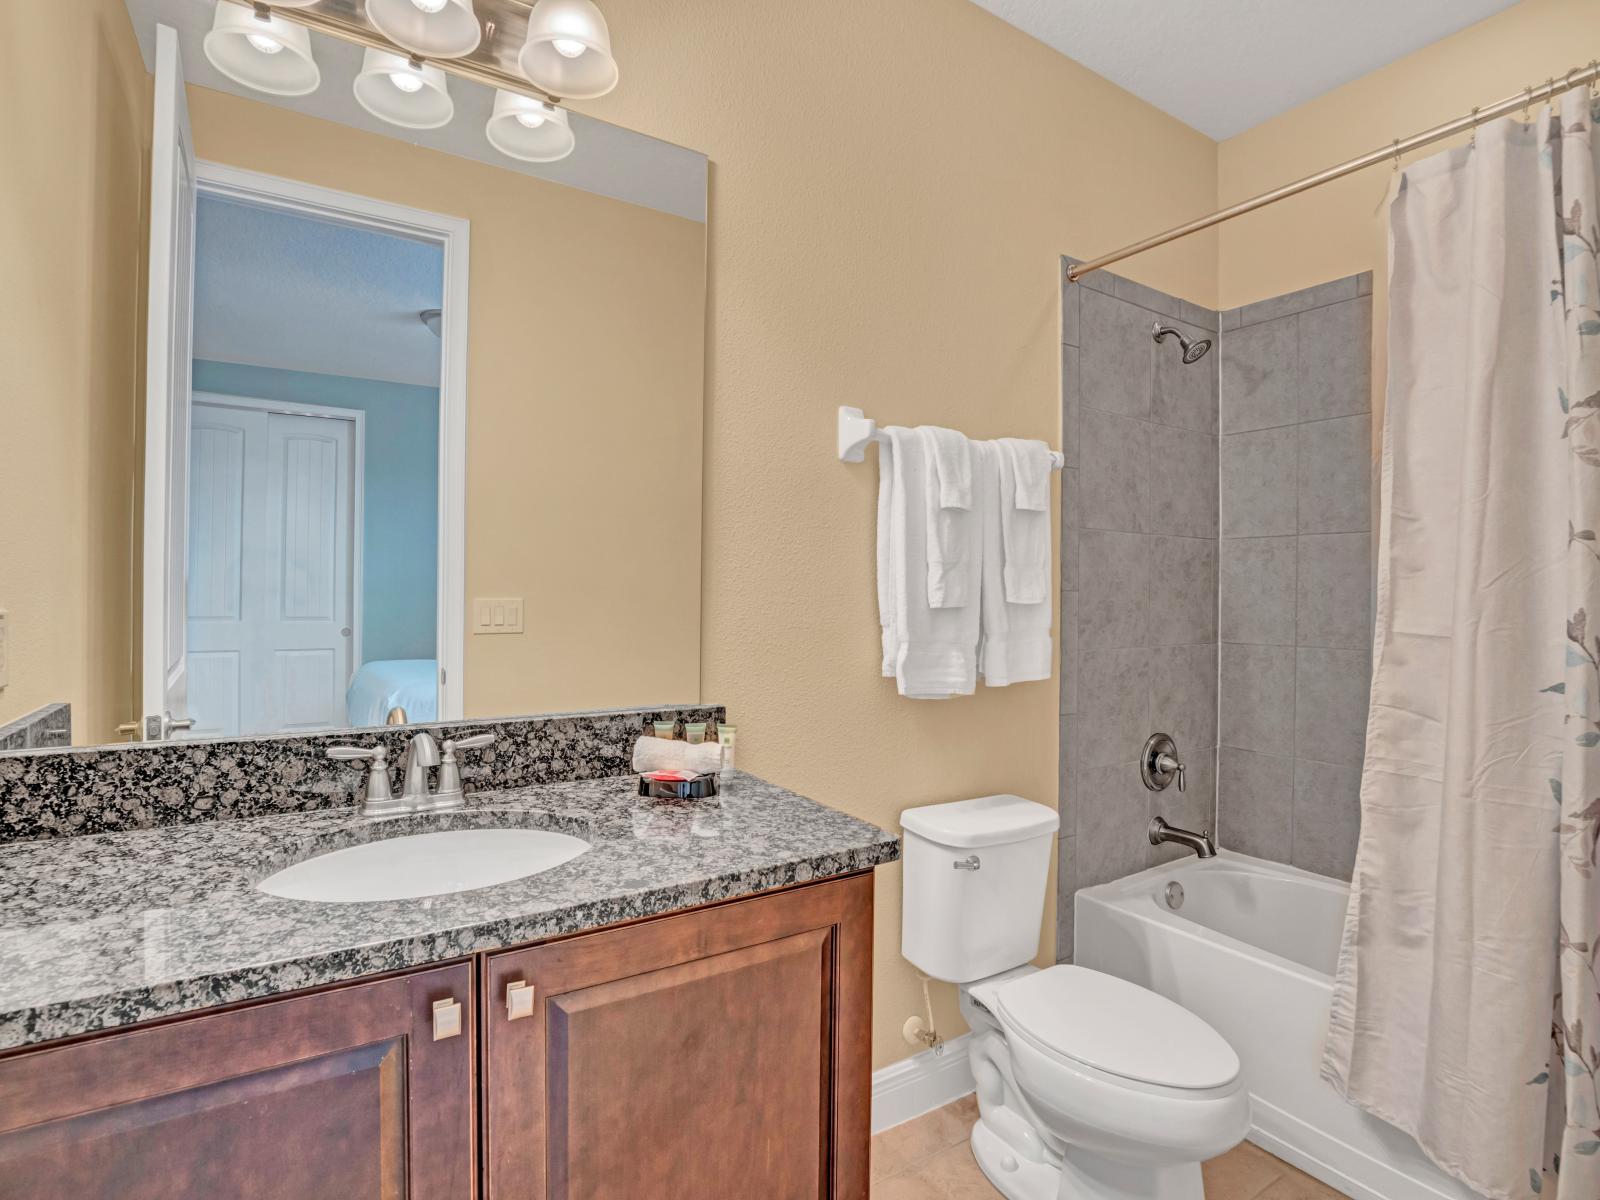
x,y
970,863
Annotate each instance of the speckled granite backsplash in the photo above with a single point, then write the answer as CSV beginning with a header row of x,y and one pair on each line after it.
x,y
57,793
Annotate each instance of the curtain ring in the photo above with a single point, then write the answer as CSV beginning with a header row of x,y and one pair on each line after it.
x,y
1527,107
1594,78
1397,156
1472,141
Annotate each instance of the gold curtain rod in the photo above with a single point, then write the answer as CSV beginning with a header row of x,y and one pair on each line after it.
x,y
1578,77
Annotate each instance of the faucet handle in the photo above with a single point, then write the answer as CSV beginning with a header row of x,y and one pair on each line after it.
x,y
378,788
450,768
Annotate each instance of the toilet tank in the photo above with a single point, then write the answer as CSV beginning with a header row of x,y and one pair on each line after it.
x,y
973,896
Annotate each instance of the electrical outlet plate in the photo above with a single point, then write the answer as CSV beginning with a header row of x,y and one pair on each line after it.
x,y
497,614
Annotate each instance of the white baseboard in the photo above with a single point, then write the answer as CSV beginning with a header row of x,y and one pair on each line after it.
x,y
921,1083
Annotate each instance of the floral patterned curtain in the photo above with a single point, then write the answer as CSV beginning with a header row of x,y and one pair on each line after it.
x,y
1575,1061
1475,912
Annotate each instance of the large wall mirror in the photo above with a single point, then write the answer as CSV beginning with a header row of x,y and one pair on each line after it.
x,y
365,390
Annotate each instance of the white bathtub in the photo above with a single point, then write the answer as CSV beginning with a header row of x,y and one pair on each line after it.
x,y
1252,950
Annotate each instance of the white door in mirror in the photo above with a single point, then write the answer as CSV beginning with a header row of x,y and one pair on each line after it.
x,y
424,864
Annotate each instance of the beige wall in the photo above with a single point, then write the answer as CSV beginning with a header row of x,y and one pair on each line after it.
x,y
585,382
1337,230
76,99
891,185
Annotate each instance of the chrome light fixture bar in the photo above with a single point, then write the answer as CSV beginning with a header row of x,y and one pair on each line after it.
x,y
492,63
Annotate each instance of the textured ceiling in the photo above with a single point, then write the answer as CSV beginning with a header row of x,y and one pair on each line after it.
x,y
278,289
1223,66
609,160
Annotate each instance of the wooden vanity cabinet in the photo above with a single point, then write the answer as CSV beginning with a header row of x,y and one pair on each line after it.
x,y
717,1054
343,1093
720,1054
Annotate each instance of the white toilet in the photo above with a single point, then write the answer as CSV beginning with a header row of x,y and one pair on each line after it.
x,y
1088,1085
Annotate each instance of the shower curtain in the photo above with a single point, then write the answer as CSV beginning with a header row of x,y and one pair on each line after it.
x,y
1466,1005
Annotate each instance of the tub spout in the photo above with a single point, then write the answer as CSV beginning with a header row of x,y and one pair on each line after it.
x,y
1200,843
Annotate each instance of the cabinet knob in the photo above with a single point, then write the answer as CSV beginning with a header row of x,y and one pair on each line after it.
x,y
519,1000
446,1019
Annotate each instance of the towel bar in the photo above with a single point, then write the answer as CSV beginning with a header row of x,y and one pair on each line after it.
x,y
856,429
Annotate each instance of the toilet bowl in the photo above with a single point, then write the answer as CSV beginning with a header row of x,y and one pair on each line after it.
x,y
1088,1086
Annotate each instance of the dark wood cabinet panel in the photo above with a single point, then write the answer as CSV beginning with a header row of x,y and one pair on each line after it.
x,y
717,1053
343,1094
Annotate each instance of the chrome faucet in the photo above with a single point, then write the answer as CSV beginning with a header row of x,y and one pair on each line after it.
x,y
1200,843
422,753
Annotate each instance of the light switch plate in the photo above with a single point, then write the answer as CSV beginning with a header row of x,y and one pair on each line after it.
x,y
497,614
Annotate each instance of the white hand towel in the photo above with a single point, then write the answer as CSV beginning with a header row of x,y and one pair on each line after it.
x,y
886,565
947,497
1016,646
1024,499
668,754
935,648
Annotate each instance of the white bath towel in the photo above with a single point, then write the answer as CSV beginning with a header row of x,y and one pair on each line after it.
x,y
1024,499
668,754
886,569
1015,646
932,651
947,499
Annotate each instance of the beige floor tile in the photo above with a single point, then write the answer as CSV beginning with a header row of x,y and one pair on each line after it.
x,y
1295,1184
906,1147
1241,1174
958,1174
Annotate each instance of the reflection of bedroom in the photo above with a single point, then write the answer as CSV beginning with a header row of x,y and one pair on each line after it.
x,y
314,473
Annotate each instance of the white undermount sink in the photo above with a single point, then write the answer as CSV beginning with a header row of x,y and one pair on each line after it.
x,y
423,864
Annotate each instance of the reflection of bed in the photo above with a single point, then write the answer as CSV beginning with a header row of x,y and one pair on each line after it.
x,y
408,683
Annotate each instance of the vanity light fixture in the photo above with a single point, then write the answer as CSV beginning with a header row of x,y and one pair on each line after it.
x,y
528,129
253,47
431,28
568,51
403,91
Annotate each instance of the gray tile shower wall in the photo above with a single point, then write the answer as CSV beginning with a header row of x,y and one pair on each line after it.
x,y
110,789
1295,577
1138,576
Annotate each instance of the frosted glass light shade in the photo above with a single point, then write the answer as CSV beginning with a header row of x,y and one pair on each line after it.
x,y
449,30
528,129
568,51
394,89
271,55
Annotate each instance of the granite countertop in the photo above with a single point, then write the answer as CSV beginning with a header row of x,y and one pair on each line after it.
x,y
103,930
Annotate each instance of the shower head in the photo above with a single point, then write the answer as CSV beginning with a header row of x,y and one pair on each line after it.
x,y
1193,351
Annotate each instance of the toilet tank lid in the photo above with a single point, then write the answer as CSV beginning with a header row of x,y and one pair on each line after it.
x,y
986,821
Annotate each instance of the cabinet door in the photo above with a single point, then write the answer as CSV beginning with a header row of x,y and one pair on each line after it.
x,y
722,1053
343,1094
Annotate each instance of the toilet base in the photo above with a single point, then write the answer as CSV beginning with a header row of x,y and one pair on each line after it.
x,y
1081,1176
1014,1176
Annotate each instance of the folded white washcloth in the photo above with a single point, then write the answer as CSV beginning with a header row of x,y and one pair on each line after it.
x,y
1015,646
1024,477
947,499
668,754
1031,464
935,649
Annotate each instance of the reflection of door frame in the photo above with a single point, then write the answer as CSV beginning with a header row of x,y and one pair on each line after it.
x,y
358,493
451,235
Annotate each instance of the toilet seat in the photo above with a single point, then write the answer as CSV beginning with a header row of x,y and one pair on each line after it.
x,y
1090,1020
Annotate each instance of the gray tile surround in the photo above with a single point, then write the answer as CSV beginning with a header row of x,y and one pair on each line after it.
x,y
1139,576
1295,578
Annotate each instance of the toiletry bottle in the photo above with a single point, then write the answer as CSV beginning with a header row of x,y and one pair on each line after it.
x,y
726,734
694,732
665,729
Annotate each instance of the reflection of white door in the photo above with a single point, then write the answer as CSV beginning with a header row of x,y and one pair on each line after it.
x,y
167,375
272,554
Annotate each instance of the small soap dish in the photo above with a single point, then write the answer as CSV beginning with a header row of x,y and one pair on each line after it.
x,y
662,786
